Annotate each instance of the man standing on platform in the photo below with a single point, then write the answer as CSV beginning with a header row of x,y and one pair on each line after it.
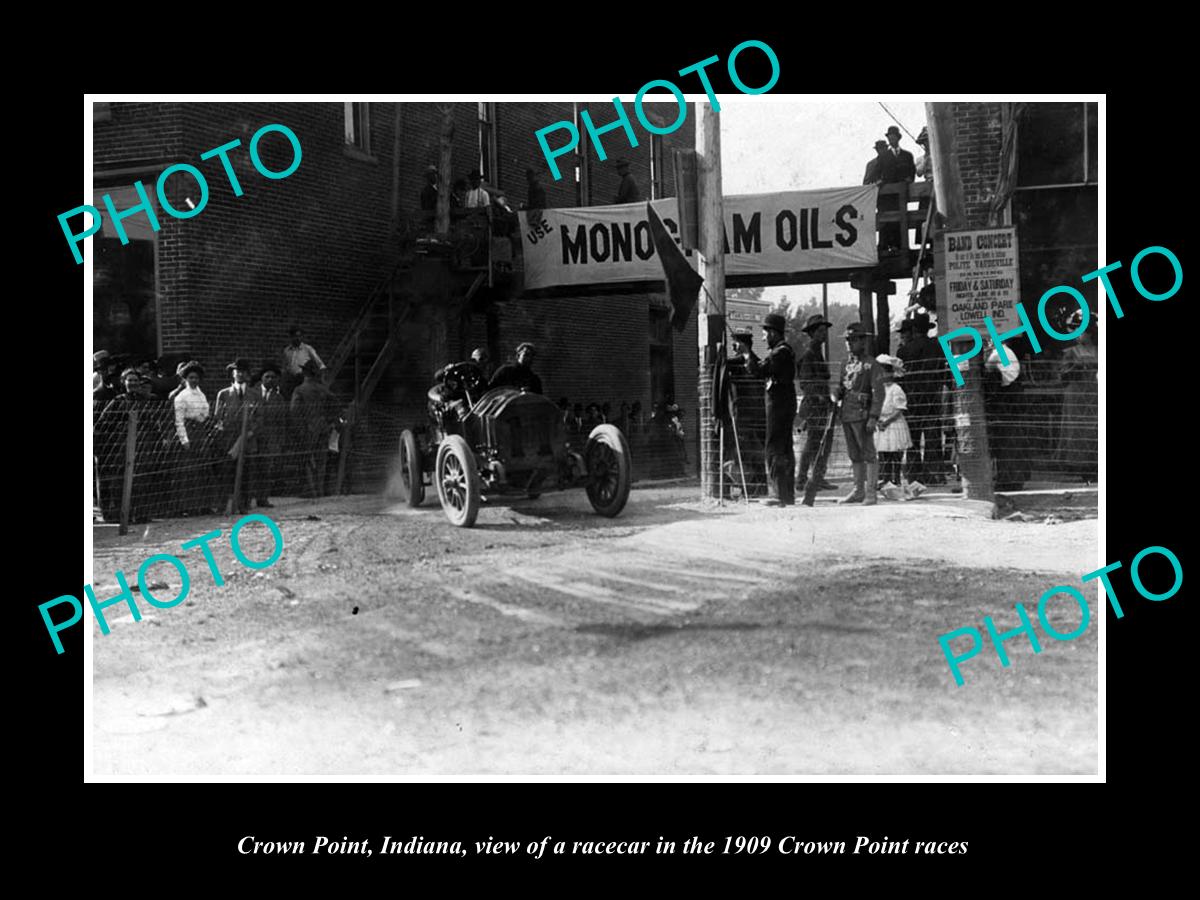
x,y
815,406
779,370
296,355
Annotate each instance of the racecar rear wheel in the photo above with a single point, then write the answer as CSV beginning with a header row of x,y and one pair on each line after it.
x,y
457,481
609,470
411,481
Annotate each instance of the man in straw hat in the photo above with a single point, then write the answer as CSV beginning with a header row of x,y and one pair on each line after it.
x,y
861,391
815,406
779,370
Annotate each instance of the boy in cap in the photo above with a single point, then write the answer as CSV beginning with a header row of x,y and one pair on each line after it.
x,y
779,370
861,392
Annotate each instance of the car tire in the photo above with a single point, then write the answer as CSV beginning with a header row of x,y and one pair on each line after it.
x,y
412,484
457,481
610,470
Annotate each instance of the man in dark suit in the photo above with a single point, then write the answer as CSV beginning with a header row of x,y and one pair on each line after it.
x,y
314,411
535,193
877,167
627,191
429,193
268,435
227,413
906,167
779,370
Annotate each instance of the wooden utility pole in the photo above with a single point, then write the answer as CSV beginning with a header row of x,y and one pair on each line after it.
x,y
127,483
712,307
970,416
396,172
445,144
884,288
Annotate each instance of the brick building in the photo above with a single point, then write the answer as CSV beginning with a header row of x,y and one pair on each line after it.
x,y
1053,199
314,247
1044,181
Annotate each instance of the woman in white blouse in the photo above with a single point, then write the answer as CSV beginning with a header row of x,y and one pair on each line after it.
x,y
191,407
194,483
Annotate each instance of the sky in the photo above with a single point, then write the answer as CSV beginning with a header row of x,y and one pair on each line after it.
x,y
784,143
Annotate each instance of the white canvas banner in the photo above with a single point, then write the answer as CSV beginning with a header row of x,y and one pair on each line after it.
x,y
792,231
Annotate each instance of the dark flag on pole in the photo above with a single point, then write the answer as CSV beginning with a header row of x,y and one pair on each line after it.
x,y
683,283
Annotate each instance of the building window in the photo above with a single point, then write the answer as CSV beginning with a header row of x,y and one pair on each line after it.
x,y
657,172
358,127
487,144
583,181
1057,145
1056,202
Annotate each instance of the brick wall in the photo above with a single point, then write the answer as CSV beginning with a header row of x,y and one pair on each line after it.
x,y
309,248
978,137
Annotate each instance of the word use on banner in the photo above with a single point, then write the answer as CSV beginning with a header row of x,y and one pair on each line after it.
x,y
780,233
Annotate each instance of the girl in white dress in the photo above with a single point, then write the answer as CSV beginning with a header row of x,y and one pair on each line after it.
x,y
892,437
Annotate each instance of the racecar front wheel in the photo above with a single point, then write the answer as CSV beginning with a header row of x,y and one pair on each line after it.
x,y
457,481
610,469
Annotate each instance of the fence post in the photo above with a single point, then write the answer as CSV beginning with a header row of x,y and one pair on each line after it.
x,y
235,504
344,449
127,488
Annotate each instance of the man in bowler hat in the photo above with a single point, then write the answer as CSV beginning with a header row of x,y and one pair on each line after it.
x,y
906,168
815,406
880,166
860,390
779,370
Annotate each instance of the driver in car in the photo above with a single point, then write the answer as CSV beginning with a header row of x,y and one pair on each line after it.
x,y
520,374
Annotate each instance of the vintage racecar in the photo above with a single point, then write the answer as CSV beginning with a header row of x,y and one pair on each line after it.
x,y
503,445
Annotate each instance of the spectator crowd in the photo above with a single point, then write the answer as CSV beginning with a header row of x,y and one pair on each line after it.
x,y
270,427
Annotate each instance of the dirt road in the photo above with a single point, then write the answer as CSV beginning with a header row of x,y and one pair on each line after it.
x,y
675,640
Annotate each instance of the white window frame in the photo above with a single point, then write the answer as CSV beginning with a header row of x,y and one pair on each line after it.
x,y
354,140
1086,161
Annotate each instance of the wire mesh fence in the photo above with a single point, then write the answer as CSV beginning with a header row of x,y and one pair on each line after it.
x,y
150,462
1042,431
